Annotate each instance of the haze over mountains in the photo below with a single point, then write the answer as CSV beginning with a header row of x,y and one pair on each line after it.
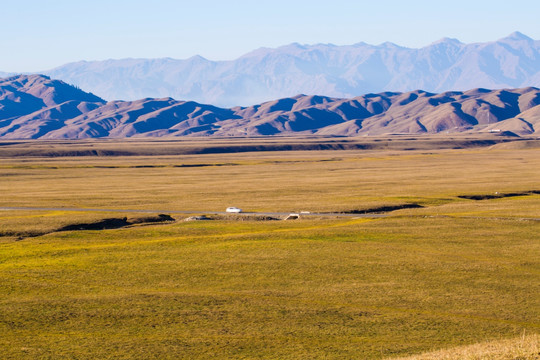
x,y
37,107
323,69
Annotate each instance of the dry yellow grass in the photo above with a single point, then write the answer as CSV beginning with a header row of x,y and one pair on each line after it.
x,y
526,347
268,181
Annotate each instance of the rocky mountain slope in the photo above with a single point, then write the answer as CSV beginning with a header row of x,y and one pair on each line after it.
x,y
323,69
36,106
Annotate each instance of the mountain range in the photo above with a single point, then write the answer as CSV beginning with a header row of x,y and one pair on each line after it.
x,y
38,107
323,69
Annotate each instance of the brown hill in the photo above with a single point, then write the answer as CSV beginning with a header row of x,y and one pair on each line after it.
x,y
37,107
527,122
147,117
32,106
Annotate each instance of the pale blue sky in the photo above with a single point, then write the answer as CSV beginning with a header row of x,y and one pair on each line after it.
x,y
41,34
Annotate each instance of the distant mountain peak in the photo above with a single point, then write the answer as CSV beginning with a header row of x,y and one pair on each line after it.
x,y
517,36
325,69
361,44
390,45
295,46
447,40
195,58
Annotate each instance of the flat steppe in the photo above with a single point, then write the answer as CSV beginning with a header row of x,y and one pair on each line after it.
x,y
460,267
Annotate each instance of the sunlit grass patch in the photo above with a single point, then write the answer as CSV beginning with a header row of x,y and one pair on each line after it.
x,y
525,347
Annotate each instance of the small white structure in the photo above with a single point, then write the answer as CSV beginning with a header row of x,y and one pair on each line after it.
x,y
233,209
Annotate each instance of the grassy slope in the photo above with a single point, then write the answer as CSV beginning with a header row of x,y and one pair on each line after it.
x,y
309,289
456,272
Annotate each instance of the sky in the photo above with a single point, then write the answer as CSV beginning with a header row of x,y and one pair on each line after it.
x,y
43,34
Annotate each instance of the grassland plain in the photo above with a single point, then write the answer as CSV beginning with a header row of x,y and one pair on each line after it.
x,y
454,272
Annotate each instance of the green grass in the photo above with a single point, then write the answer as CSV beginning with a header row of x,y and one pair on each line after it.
x,y
308,289
455,272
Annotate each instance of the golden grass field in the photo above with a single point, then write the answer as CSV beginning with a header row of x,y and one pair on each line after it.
x,y
453,273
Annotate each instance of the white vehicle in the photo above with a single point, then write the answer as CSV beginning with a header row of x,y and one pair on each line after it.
x,y
233,209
